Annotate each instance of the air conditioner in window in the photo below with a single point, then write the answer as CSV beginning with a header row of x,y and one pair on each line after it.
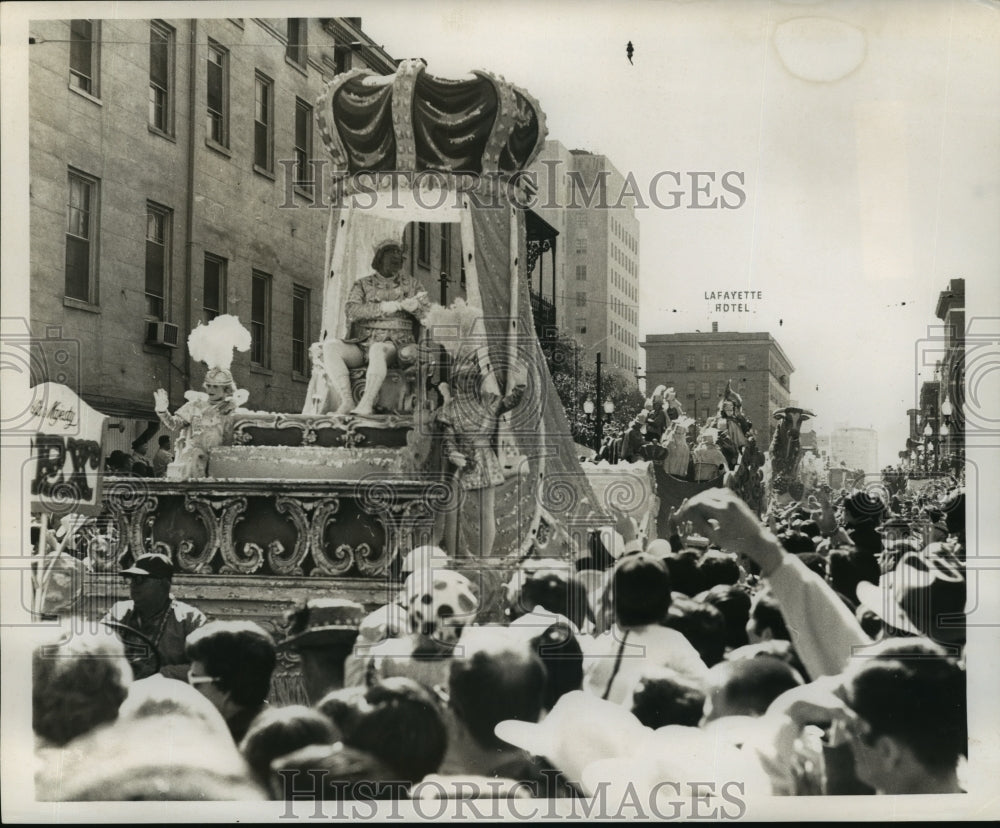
x,y
162,333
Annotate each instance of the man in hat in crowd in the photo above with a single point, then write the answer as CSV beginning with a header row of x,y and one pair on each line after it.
x,y
382,311
924,594
163,622
322,632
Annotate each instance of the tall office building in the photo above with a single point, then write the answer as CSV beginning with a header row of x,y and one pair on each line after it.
x,y
596,279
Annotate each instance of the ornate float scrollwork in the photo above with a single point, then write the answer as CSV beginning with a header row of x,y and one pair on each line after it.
x,y
297,510
325,565
236,561
250,560
338,562
286,530
188,559
122,497
352,437
141,520
107,556
370,561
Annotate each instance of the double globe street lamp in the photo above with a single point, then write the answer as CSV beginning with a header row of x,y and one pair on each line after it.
x,y
589,409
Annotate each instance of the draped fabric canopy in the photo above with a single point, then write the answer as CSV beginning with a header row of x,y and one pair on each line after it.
x,y
415,122
411,122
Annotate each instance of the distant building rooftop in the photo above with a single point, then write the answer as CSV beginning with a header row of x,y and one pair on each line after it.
x,y
718,336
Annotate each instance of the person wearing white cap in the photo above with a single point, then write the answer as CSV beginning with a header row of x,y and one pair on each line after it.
x,y
439,604
382,310
424,558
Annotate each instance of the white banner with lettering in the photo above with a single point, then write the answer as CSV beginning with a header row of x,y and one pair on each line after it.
x,y
67,452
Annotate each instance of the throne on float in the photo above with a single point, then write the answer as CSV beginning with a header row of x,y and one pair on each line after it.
x,y
409,148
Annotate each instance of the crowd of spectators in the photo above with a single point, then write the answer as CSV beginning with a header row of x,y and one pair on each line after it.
x,y
820,650
138,463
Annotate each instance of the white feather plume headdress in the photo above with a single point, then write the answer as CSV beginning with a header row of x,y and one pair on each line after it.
x,y
215,342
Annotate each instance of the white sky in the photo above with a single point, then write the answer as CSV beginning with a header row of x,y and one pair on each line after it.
x,y
866,189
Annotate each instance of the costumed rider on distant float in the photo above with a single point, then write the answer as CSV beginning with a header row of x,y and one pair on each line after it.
x,y
383,312
735,431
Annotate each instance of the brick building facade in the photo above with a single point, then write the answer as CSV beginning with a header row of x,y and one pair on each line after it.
x,y
171,181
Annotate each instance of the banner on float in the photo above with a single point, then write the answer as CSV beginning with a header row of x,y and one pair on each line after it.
x,y
67,452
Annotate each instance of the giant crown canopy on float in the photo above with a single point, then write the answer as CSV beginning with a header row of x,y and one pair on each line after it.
x,y
413,122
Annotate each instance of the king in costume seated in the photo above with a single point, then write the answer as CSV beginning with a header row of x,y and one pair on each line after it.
x,y
383,312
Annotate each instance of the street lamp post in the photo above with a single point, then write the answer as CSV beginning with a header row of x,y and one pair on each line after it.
x,y
598,418
946,412
599,428
576,384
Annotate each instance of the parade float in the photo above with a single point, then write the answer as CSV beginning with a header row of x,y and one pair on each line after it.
x,y
271,508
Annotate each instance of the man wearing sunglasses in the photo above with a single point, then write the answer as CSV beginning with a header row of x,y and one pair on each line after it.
x,y
154,624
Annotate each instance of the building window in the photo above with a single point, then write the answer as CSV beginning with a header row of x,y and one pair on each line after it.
x,y
741,361
300,328
263,124
720,389
705,390
706,362
161,77
218,94
581,299
581,244
423,244
214,292
581,325
341,58
84,57
303,143
581,272
690,362
668,363
157,259
81,233
690,390
445,248
260,320
296,49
